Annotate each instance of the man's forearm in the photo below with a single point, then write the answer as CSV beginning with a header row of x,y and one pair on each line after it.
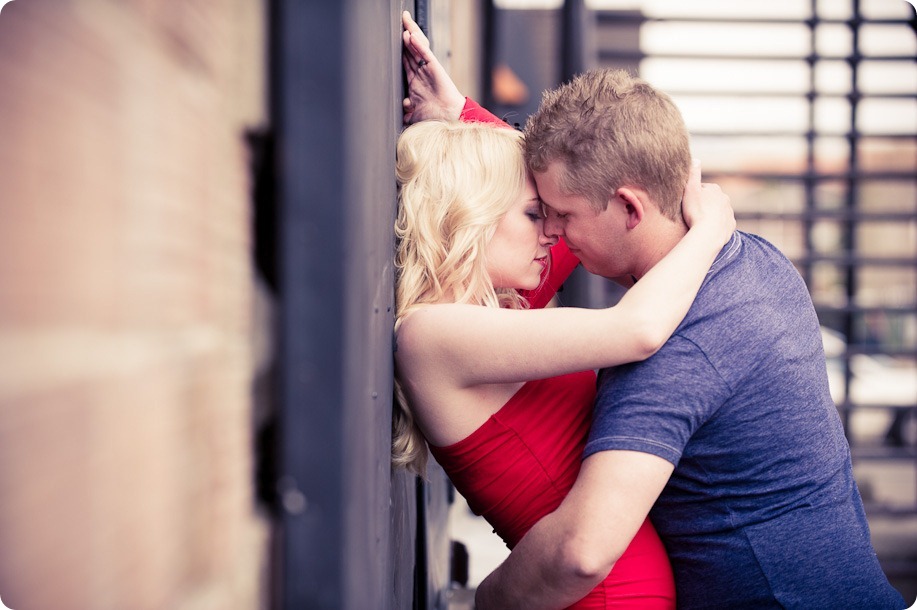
x,y
570,551
542,572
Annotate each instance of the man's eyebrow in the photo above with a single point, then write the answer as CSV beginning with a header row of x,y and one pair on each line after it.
x,y
548,206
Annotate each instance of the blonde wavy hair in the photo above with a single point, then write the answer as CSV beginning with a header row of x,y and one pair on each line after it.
x,y
456,181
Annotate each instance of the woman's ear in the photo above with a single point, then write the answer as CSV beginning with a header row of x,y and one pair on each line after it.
x,y
633,204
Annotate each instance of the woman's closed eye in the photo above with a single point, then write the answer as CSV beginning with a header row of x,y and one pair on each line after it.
x,y
534,213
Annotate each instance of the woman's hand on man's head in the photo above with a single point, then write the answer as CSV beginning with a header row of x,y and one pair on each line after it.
x,y
704,203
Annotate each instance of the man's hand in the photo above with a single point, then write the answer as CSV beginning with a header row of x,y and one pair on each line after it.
x,y
431,92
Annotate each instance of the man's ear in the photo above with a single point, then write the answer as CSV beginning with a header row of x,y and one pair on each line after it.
x,y
633,204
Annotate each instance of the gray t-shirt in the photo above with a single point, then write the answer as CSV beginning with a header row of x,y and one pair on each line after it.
x,y
762,509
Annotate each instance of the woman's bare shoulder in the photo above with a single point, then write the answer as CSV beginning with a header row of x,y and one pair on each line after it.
x,y
440,335
426,326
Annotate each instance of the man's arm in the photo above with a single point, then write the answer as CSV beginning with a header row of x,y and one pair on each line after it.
x,y
567,553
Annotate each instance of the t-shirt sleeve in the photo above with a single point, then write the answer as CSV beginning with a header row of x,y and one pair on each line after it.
x,y
563,262
657,405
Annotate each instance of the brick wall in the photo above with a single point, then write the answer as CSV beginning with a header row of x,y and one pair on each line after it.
x,y
126,305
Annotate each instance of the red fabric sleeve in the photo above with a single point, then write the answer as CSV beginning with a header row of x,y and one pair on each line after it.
x,y
563,262
475,113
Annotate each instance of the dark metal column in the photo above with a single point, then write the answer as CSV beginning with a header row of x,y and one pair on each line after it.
x,y
336,93
578,45
851,205
309,117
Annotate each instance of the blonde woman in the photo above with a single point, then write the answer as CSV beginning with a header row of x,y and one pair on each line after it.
x,y
499,388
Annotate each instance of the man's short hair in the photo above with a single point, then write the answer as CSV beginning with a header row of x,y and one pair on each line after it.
x,y
611,129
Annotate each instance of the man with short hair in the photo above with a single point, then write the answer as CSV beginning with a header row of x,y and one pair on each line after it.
x,y
728,436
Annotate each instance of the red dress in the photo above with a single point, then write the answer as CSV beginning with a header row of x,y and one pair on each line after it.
x,y
521,463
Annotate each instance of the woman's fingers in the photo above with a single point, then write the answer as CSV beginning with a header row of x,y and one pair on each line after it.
x,y
706,202
416,42
413,29
407,111
694,174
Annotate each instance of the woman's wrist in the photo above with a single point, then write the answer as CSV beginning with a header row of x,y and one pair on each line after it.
x,y
714,230
708,235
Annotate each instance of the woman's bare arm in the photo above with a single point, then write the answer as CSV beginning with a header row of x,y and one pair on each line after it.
x,y
474,345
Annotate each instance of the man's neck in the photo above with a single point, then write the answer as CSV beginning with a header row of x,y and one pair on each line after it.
x,y
656,244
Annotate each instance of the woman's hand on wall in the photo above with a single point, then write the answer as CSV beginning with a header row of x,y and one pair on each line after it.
x,y
431,92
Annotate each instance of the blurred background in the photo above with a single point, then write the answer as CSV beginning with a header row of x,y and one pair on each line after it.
x,y
196,202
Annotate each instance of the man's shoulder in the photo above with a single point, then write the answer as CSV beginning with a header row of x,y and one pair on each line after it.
x,y
751,270
747,249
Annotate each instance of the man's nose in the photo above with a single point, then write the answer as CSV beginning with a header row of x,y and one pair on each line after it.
x,y
547,240
553,226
